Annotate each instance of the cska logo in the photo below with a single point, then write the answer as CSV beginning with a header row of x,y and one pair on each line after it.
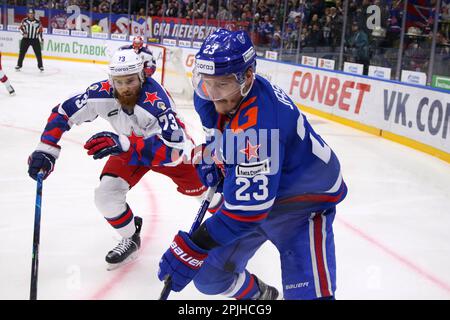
x,y
106,86
241,38
151,97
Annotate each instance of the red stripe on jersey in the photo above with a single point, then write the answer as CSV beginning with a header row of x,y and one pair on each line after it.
x,y
247,290
52,116
160,155
56,133
312,198
318,242
257,217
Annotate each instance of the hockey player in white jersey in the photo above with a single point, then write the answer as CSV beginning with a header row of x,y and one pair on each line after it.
x,y
148,136
4,79
144,52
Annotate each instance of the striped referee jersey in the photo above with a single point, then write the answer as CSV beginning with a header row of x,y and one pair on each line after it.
x,y
31,28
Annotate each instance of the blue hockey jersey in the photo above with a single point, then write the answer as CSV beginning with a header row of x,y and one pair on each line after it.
x,y
272,160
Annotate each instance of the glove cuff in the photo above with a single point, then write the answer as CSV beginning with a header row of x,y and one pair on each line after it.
x,y
46,148
124,142
187,251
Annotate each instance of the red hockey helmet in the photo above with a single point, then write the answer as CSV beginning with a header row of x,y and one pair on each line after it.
x,y
138,43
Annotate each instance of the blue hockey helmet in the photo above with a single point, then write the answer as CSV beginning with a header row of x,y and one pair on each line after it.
x,y
224,53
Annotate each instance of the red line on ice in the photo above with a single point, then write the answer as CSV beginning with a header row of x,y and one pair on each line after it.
x,y
390,252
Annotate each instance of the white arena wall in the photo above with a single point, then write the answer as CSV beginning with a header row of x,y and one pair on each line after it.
x,y
414,115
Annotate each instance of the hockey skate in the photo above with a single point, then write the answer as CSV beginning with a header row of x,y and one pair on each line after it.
x,y
41,68
267,292
127,249
11,90
18,68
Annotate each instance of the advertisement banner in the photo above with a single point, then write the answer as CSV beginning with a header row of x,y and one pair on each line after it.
x,y
355,68
72,18
309,61
418,113
379,72
326,64
441,82
414,77
271,55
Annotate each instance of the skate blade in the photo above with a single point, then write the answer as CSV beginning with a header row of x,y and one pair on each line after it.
x,y
114,266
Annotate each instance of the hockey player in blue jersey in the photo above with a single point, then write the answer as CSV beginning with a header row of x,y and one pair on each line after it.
x,y
148,135
281,182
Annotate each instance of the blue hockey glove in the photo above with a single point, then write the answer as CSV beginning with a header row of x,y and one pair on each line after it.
x,y
210,175
38,161
105,144
181,261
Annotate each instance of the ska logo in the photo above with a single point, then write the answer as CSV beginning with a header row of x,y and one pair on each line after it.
x,y
241,38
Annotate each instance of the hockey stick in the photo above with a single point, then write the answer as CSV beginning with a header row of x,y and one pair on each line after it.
x,y
37,229
198,220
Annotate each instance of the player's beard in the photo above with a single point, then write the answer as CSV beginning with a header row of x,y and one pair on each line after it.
x,y
128,100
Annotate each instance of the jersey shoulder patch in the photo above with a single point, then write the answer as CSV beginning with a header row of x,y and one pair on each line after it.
x,y
101,89
154,97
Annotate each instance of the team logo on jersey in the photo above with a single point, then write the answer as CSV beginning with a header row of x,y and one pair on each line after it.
x,y
241,38
151,97
250,151
94,87
250,170
161,105
106,86
137,143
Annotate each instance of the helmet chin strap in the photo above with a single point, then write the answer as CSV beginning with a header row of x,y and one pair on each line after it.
x,y
243,92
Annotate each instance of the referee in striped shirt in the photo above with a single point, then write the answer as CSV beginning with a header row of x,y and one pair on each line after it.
x,y
31,29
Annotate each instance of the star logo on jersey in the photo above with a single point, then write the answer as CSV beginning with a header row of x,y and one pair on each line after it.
x,y
106,86
250,151
137,142
151,97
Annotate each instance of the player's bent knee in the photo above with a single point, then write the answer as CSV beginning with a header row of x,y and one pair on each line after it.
x,y
110,196
212,281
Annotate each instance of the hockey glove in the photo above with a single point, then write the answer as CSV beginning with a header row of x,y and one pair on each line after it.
x,y
38,161
210,175
106,143
181,261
